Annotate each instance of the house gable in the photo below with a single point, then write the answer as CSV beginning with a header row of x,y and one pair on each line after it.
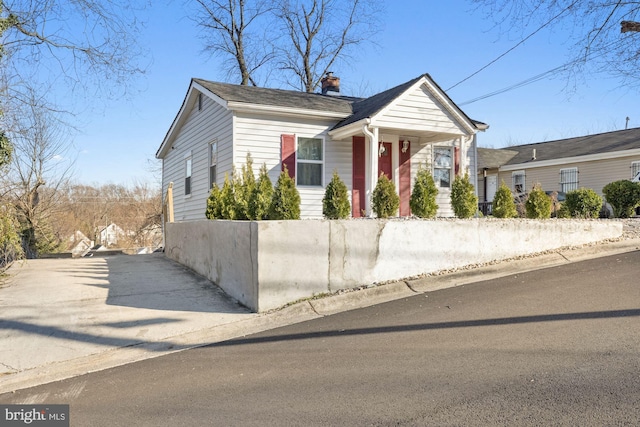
x,y
415,106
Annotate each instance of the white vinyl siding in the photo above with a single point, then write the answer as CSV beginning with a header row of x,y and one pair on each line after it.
x,y
198,130
593,174
418,111
260,135
568,179
422,156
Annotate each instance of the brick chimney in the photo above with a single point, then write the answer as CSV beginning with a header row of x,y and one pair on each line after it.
x,y
330,84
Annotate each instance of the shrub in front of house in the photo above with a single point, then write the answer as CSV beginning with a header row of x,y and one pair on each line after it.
x,y
227,199
503,204
538,204
463,198
423,196
261,196
385,200
285,203
581,203
214,203
243,186
335,203
623,196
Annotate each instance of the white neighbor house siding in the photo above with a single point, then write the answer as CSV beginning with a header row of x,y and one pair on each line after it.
x,y
199,129
260,135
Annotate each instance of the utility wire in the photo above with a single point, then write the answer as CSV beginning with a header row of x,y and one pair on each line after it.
x,y
514,47
541,76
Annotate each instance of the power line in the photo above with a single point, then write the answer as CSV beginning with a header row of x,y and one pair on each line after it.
x,y
541,76
514,47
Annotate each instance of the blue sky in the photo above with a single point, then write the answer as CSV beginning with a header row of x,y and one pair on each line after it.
x,y
448,40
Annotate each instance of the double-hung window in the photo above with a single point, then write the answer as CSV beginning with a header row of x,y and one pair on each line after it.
x,y
635,169
310,161
568,179
213,162
519,183
187,175
442,163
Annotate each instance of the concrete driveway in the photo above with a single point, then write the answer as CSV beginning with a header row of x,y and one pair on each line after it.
x,y
55,310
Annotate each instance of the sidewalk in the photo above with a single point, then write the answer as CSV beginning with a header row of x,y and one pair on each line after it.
x,y
61,318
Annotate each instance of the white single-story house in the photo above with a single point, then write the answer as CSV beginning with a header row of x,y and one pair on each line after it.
x,y
395,132
590,161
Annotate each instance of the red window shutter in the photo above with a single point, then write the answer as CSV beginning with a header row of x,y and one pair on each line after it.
x,y
358,171
456,157
288,153
405,180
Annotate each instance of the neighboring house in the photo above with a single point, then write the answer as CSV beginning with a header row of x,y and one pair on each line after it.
x,y
590,161
394,132
109,235
79,244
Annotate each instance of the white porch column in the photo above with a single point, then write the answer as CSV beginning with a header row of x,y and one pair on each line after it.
x,y
371,167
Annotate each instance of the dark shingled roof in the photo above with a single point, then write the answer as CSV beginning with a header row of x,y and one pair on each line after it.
x,y
492,158
579,146
279,97
354,109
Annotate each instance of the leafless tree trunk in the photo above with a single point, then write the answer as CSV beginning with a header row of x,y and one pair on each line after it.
x,y
321,33
231,28
40,166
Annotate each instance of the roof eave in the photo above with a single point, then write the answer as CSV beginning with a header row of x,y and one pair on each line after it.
x,y
243,107
568,160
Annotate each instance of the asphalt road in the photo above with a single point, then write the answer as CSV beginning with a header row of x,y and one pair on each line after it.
x,y
559,346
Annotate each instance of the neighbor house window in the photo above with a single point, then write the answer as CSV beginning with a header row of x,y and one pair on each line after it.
x,y
442,162
310,161
519,183
568,179
187,176
213,163
635,168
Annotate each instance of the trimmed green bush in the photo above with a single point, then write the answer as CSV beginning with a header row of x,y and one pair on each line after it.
x,y
385,199
463,198
285,203
503,204
214,203
227,199
538,205
243,186
623,196
582,203
423,197
335,203
261,196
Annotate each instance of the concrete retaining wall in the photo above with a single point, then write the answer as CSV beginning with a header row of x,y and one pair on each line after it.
x,y
267,264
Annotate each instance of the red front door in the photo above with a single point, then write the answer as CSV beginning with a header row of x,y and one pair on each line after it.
x,y
384,161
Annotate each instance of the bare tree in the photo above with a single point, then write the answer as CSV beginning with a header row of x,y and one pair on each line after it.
x,y
236,30
39,167
320,33
599,41
81,44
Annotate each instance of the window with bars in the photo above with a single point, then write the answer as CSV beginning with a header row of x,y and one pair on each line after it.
x,y
519,184
635,169
568,179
